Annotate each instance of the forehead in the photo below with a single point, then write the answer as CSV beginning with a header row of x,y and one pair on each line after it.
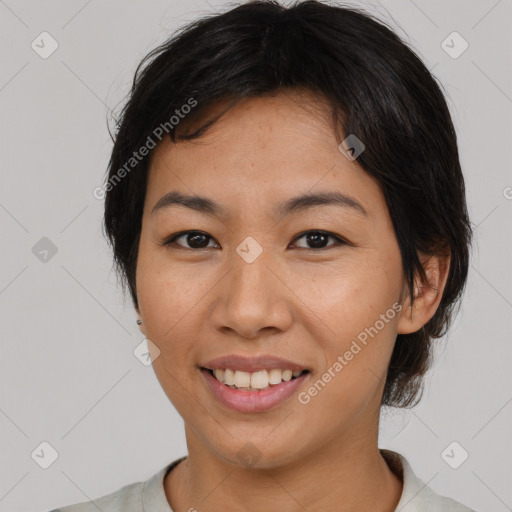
x,y
265,148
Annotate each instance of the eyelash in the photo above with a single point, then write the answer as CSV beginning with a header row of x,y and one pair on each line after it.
x,y
339,240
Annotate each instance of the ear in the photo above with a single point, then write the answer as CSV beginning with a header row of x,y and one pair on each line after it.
x,y
427,292
139,317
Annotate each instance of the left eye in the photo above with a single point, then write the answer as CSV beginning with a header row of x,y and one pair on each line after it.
x,y
318,239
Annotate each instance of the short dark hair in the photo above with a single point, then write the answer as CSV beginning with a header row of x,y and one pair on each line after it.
x,y
377,88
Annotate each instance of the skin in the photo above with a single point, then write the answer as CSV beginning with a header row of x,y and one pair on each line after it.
x,y
305,306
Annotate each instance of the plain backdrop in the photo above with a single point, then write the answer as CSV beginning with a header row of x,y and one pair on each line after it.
x,y
68,373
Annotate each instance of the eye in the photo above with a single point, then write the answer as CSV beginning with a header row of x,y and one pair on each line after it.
x,y
195,239
200,240
318,239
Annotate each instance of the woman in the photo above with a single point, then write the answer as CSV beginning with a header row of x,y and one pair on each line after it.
x,y
287,209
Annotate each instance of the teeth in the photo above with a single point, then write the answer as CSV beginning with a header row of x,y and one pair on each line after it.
x,y
259,380
274,376
229,377
287,375
254,380
242,379
219,374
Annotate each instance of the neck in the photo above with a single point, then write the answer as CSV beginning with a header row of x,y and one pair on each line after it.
x,y
342,475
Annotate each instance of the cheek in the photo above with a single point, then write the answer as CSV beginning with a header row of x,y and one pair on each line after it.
x,y
166,293
351,294
168,300
358,303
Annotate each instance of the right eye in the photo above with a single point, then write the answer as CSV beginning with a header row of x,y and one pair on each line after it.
x,y
195,239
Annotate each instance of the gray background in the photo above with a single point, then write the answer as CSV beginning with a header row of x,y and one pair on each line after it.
x,y
68,373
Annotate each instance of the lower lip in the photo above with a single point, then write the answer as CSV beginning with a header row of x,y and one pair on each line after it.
x,y
252,401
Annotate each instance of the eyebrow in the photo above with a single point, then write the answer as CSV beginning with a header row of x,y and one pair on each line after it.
x,y
293,205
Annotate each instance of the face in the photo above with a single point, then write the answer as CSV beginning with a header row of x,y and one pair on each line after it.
x,y
318,284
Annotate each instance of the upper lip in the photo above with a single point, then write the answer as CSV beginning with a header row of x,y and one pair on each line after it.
x,y
252,364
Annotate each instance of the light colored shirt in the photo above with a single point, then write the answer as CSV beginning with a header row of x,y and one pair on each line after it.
x,y
149,496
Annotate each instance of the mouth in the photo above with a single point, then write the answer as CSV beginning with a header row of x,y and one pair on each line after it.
x,y
253,392
253,381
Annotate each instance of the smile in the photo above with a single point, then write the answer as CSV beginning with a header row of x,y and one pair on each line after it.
x,y
254,381
276,386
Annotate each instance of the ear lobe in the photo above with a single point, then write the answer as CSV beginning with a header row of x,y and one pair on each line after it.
x,y
427,293
139,321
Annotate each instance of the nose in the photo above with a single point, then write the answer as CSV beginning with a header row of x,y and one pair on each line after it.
x,y
252,300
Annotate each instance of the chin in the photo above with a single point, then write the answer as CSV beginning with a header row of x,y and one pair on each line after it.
x,y
257,450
